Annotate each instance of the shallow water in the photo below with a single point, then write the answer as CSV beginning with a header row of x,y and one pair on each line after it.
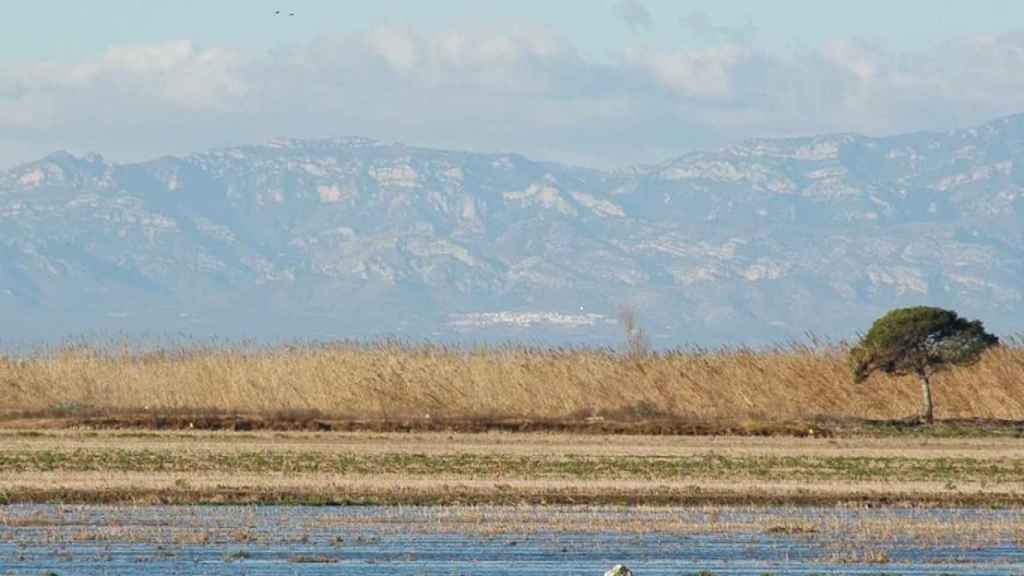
x,y
490,541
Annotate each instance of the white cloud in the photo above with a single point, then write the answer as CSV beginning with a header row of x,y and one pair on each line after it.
x,y
398,46
527,90
172,73
703,73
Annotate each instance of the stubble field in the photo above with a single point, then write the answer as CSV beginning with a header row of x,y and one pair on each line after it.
x,y
504,468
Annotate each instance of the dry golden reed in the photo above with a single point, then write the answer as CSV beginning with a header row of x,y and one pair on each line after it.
x,y
395,381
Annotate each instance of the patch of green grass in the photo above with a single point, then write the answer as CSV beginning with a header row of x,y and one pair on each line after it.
x,y
507,466
939,429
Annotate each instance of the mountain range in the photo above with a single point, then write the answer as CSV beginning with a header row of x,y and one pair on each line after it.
x,y
759,242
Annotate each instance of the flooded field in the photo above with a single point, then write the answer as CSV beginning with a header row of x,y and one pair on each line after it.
x,y
70,540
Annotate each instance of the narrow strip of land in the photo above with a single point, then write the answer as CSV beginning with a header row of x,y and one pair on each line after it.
x,y
364,468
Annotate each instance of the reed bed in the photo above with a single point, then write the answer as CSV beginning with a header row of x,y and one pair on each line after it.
x,y
393,381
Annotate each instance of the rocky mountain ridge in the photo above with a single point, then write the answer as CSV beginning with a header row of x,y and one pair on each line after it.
x,y
764,241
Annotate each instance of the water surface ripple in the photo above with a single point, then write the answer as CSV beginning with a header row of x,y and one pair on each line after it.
x,y
92,540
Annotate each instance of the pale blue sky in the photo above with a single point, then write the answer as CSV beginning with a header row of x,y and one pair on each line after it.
x,y
601,82
63,28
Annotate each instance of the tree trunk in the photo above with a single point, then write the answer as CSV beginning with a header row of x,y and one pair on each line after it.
x,y
926,392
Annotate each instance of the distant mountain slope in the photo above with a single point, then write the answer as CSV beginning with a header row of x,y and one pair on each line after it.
x,y
758,242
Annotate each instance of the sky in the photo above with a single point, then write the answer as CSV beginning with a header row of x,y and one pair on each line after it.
x,y
604,83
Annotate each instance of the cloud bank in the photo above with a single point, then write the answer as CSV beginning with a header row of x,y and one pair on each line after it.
x,y
529,91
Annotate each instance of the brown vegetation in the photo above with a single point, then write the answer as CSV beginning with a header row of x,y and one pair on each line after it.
x,y
392,383
142,467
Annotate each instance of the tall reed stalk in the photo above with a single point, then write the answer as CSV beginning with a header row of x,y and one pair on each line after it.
x,y
390,380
